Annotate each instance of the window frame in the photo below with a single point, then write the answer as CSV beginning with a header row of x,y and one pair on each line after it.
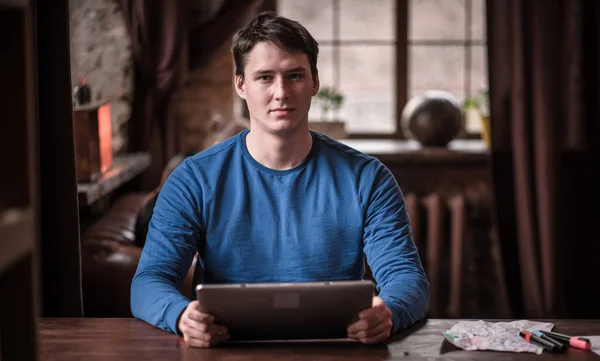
x,y
402,45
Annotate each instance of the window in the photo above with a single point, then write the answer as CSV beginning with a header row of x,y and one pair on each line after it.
x,y
380,53
357,51
447,49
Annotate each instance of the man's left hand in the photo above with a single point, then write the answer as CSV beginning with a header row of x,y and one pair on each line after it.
x,y
374,324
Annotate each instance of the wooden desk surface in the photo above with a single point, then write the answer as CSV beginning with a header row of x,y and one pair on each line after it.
x,y
128,339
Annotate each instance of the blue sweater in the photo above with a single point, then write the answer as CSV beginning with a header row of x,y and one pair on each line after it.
x,y
250,223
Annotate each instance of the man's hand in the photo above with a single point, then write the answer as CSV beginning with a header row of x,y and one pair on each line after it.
x,y
374,324
199,329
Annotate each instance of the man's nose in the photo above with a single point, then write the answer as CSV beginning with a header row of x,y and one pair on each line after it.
x,y
281,90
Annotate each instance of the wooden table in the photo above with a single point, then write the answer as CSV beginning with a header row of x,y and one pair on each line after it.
x,y
128,339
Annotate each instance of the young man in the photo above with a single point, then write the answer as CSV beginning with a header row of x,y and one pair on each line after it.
x,y
279,203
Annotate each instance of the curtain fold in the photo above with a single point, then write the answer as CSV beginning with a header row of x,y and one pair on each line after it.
x,y
167,44
159,43
544,71
208,37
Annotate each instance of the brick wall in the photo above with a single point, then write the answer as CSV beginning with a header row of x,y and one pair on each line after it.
x,y
205,102
101,51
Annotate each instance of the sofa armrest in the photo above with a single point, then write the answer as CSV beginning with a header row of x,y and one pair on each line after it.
x,y
110,255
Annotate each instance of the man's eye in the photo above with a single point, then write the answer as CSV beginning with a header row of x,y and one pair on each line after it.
x,y
264,78
295,76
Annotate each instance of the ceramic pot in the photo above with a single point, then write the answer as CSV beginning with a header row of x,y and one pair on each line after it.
x,y
433,118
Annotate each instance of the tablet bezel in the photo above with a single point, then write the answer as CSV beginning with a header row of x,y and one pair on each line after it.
x,y
286,311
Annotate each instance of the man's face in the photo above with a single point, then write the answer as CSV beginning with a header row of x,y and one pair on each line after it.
x,y
278,88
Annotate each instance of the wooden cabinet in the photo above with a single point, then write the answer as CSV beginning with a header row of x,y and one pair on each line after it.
x,y
39,241
19,201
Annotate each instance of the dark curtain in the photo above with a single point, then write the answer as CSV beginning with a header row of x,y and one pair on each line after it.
x,y
544,71
158,31
210,36
167,43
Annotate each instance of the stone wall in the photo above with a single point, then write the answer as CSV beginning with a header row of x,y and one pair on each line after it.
x,y
206,102
101,51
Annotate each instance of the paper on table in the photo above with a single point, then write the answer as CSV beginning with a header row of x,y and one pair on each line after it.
x,y
595,340
497,336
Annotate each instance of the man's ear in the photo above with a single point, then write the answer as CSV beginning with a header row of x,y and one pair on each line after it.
x,y
240,86
316,85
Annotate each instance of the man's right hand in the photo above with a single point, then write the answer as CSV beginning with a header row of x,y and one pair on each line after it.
x,y
199,329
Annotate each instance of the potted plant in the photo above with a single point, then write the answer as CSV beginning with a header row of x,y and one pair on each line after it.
x,y
329,100
477,114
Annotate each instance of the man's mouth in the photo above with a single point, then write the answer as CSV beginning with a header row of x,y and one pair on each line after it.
x,y
282,111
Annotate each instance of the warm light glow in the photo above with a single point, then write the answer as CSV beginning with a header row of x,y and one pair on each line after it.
x,y
105,135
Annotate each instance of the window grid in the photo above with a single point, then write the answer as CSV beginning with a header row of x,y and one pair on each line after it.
x,y
336,49
468,44
402,85
413,42
467,48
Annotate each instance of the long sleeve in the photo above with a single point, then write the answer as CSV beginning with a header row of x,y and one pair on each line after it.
x,y
390,249
167,255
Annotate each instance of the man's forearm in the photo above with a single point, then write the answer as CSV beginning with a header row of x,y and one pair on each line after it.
x,y
407,297
157,301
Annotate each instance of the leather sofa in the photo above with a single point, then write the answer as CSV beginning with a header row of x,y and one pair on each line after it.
x,y
110,251
111,246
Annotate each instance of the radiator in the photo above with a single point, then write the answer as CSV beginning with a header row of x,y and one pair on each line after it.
x,y
460,254
439,230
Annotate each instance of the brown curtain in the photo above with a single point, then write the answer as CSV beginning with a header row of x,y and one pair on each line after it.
x,y
167,43
159,36
208,37
544,71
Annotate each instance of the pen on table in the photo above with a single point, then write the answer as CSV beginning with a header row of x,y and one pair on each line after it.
x,y
531,338
560,346
578,342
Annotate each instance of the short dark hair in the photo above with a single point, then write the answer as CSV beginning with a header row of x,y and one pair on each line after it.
x,y
284,33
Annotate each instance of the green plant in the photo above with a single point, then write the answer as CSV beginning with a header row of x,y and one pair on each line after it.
x,y
476,111
330,99
479,102
470,102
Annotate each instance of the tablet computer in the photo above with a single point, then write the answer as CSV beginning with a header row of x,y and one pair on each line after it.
x,y
286,311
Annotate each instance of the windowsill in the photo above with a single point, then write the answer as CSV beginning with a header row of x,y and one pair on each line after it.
x,y
125,167
458,150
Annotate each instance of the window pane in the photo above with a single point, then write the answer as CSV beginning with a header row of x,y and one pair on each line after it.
x,y
479,75
325,67
436,20
478,20
314,15
368,20
367,81
436,67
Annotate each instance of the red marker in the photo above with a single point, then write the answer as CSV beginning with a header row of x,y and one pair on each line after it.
x,y
578,342
531,338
